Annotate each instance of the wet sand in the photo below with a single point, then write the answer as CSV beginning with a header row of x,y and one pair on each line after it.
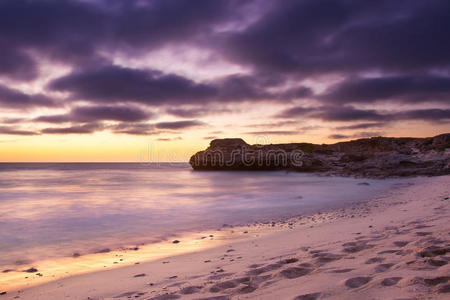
x,y
394,247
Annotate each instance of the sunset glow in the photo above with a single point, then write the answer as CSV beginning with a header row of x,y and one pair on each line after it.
x,y
90,81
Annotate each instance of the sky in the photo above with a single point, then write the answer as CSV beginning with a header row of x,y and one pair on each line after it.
x,y
157,80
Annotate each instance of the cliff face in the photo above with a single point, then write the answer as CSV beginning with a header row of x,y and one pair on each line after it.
x,y
372,157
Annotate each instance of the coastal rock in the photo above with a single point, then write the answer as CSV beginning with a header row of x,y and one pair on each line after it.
x,y
376,157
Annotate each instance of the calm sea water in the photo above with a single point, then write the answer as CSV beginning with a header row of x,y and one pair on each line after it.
x,y
51,210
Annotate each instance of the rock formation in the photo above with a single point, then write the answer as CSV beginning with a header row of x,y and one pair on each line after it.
x,y
371,157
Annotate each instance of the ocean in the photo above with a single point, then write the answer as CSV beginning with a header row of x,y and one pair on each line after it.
x,y
51,210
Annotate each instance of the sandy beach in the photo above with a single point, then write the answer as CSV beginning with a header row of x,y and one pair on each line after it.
x,y
258,149
395,247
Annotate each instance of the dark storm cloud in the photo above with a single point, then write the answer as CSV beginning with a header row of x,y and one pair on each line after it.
x,y
297,111
15,99
196,111
134,129
332,113
338,136
112,113
179,124
311,36
272,132
256,87
74,32
403,43
12,120
63,30
361,126
425,114
98,113
429,88
8,130
54,118
15,64
349,113
75,129
119,84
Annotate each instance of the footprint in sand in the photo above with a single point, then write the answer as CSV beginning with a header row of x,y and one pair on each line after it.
x,y
390,281
247,289
219,276
342,270
216,298
254,266
305,265
190,290
289,261
401,243
295,272
165,297
327,257
357,282
421,233
389,252
383,268
229,284
422,226
433,251
374,260
218,287
267,268
353,247
436,280
437,262
311,296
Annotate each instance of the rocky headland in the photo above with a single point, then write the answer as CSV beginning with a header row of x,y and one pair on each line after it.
x,y
370,157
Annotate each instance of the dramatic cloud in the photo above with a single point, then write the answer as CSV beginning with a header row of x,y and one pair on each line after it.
x,y
349,113
15,64
179,124
77,129
15,99
310,36
122,62
14,131
272,132
404,88
120,84
134,129
98,113
75,32
361,126
426,114
329,113
196,112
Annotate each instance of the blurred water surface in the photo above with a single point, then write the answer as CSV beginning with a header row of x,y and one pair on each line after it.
x,y
53,210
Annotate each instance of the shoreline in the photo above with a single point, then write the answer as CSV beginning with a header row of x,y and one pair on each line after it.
x,y
282,240
75,262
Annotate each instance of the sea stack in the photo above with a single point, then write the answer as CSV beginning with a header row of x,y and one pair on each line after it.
x,y
371,157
